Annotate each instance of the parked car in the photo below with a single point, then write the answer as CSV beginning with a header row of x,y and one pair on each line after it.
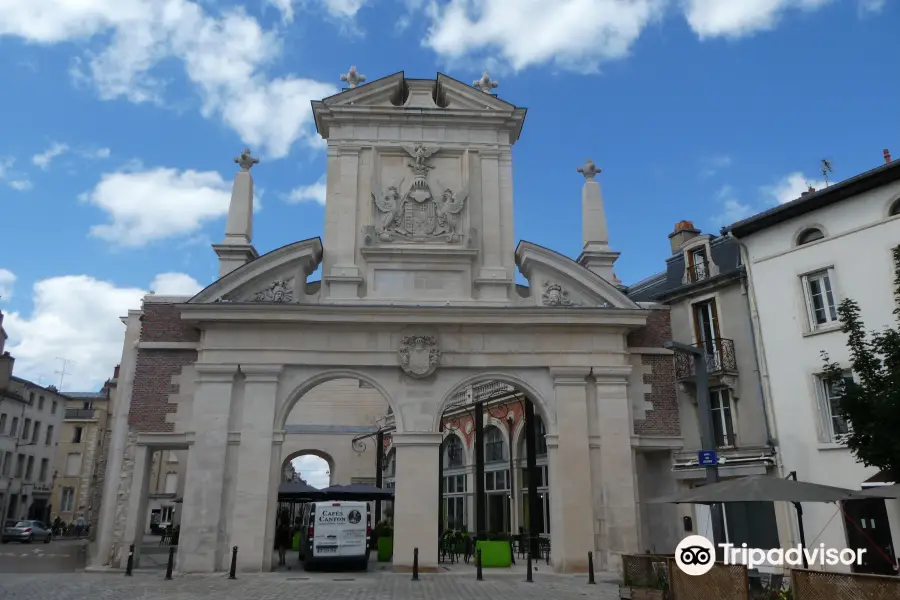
x,y
27,532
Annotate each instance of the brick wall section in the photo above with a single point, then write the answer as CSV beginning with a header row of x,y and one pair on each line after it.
x,y
155,369
664,418
162,323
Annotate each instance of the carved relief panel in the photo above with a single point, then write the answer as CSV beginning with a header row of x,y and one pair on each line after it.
x,y
419,197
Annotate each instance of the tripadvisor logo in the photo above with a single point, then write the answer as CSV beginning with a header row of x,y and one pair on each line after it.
x,y
696,555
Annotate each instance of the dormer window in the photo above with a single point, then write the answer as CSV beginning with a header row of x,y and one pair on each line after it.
x,y
810,235
698,264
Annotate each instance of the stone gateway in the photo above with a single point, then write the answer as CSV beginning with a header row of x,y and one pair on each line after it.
x,y
418,300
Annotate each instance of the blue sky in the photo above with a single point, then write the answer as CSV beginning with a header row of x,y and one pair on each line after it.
x,y
123,117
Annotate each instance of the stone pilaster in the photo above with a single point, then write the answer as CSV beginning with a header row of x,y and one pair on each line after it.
x,y
619,530
204,479
252,497
572,514
415,514
138,498
340,273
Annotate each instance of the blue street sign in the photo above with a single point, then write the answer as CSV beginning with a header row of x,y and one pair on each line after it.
x,y
707,458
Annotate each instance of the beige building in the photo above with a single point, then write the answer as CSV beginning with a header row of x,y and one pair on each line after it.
x,y
30,421
419,301
82,444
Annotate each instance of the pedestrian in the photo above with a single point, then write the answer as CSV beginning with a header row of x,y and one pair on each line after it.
x,y
282,540
79,526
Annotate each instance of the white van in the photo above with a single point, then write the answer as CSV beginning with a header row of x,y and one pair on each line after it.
x,y
335,532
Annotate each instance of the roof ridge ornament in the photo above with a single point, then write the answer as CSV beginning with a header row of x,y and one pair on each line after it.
x,y
245,161
589,170
485,84
353,78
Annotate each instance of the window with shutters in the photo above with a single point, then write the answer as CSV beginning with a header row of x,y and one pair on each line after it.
x,y
834,426
821,306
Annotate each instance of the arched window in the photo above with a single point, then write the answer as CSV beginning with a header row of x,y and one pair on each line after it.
x,y
540,439
810,235
453,452
493,445
895,208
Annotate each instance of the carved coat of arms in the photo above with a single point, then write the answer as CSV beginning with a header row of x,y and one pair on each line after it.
x,y
419,355
416,214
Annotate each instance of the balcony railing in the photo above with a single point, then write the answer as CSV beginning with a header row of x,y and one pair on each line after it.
x,y
698,272
720,358
79,413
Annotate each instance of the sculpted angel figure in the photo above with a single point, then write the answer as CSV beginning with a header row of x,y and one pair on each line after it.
x,y
448,211
391,206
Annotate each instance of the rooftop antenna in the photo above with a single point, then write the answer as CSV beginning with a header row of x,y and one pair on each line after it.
x,y
826,169
62,372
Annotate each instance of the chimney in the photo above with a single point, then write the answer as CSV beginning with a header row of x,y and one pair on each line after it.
x,y
887,156
809,190
684,231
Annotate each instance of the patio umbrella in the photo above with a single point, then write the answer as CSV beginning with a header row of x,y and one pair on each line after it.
x,y
760,488
887,492
763,488
297,490
357,491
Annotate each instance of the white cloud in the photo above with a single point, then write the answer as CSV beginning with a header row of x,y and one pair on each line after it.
x,y
712,165
150,205
314,192
791,186
733,209
224,55
12,178
577,34
7,282
285,7
44,159
343,8
175,284
740,18
75,317
97,153
313,469
872,6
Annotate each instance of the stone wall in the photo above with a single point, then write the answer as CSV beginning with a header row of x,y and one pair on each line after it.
x,y
660,416
97,485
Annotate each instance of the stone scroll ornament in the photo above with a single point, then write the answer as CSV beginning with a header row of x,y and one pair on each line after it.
x,y
415,214
279,291
556,295
419,355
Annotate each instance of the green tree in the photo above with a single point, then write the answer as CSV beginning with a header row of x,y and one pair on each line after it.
x,y
871,406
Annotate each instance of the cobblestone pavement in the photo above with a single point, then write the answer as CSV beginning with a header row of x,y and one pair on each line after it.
x,y
58,556
281,586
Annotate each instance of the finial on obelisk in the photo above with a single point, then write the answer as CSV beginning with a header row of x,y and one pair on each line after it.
x,y
245,161
485,84
353,78
589,169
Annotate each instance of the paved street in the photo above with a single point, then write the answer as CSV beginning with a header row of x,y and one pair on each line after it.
x,y
279,586
56,557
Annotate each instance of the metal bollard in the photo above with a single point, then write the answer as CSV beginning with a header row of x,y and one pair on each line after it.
x,y
415,576
232,574
171,563
130,564
478,564
591,568
528,578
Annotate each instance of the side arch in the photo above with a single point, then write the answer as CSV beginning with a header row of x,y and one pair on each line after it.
x,y
317,379
313,452
541,404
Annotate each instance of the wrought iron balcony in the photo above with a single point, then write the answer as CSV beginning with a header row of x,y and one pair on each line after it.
x,y
698,272
720,359
80,413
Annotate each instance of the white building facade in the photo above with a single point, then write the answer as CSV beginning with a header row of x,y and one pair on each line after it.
x,y
803,258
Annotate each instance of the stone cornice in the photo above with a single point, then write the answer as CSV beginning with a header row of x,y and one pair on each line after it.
x,y
402,313
261,373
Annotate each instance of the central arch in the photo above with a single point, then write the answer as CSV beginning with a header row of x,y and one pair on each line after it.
x,y
325,376
542,404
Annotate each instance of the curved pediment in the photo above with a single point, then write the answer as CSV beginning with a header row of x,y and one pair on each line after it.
x,y
557,280
278,277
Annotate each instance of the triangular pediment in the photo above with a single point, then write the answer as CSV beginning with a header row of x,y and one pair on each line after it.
x,y
381,92
557,280
457,95
277,277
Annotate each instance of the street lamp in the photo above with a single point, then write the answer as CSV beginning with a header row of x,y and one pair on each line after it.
x,y
707,441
